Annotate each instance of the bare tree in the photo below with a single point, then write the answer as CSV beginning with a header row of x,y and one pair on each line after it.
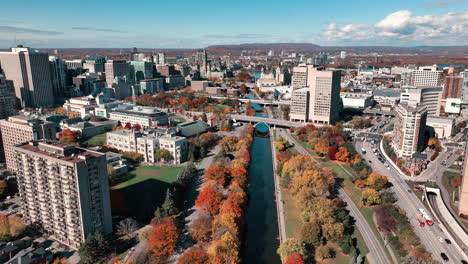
x,y
126,226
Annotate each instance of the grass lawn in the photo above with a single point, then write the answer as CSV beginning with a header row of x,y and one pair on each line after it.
x,y
97,140
292,215
447,180
455,167
293,150
143,173
139,196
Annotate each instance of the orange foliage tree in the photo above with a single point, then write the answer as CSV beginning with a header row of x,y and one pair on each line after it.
x,y
209,200
162,240
193,256
67,136
322,147
218,173
294,258
342,154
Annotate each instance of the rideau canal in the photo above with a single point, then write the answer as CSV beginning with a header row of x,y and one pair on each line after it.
x,y
261,237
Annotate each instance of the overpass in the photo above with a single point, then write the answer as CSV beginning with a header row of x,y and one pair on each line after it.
x,y
270,121
263,102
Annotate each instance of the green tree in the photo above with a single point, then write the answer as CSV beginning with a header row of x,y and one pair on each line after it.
x,y
163,154
185,176
94,248
311,233
325,252
370,197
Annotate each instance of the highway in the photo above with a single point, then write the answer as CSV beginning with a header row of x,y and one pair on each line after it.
x,y
376,251
408,201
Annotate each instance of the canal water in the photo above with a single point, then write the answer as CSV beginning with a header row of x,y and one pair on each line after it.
x,y
261,238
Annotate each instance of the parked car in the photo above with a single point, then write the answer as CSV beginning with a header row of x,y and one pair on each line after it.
x,y
444,257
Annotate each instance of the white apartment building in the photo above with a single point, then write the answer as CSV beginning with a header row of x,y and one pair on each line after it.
x,y
409,128
299,77
299,110
428,96
148,144
64,189
426,76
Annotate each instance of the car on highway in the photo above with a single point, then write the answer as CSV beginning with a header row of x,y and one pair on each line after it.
x,y
444,257
464,262
370,161
448,241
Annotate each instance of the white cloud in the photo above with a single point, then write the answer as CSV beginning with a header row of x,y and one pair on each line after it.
x,y
402,27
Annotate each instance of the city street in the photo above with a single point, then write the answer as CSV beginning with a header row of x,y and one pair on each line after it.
x,y
429,235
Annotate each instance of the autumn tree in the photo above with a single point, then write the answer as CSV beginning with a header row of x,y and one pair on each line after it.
x,y
324,252
3,187
311,233
137,127
332,152
434,143
193,256
128,126
126,226
243,76
322,147
60,111
209,200
289,246
370,197
67,136
132,156
163,154
200,228
225,249
377,181
228,144
342,154
163,238
294,258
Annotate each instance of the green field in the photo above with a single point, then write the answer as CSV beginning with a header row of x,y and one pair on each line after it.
x,y
97,140
143,173
179,118
143,192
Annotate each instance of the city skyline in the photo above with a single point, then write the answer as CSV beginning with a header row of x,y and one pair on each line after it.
x,y
51,24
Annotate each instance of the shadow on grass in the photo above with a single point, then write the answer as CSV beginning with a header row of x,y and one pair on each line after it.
x,y
139,200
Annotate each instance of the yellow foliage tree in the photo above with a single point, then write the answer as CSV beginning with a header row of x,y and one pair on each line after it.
x,y
370,197
377,181
322,147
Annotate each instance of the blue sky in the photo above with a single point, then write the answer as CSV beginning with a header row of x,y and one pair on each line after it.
x,y
194,24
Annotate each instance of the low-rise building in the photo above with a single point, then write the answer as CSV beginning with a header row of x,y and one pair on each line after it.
x,y
357,100
144,116
117,162
175,81
192,128
82,105
444,127
148,144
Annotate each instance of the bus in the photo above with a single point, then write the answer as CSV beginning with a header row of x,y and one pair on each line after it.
x,y
426,216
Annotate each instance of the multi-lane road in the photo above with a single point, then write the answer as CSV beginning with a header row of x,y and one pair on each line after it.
x,y
407,200
376,250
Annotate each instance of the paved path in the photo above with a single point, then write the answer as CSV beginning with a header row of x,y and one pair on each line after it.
x,y
279,197
371,240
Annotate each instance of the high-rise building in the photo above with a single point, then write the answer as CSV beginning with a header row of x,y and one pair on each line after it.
x,y
161,59
453,85
409,128
58,71
299,77
202,61
7,97
116,68
94,66
464,93
271,53
426,76
325,101
20,128
299,105
321,58
428,96
463,204
63,189
30,72
140,70
74,64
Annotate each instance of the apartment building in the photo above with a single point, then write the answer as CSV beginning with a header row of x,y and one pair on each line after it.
x,y
21,128
325,101
426,76
409,129
453,85
299,110
144,116
148,144
64,190
428,96
31,75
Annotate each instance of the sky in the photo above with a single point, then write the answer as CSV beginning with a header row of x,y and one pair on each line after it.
x,y
200,23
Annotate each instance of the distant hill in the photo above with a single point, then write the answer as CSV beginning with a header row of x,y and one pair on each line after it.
x,y
310,47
